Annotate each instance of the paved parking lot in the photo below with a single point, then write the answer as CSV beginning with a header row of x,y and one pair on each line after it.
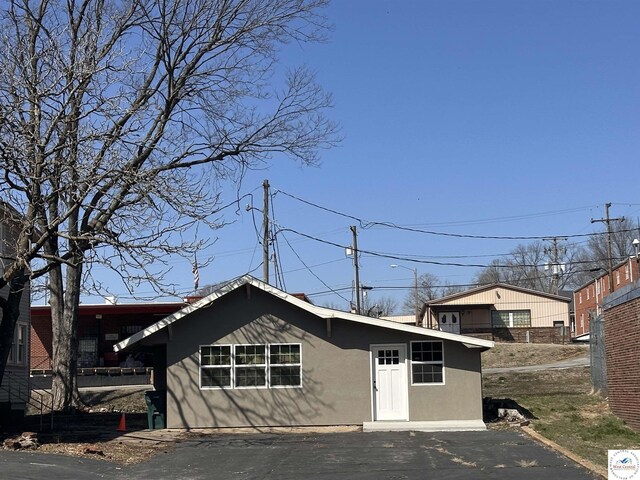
x,y
376,455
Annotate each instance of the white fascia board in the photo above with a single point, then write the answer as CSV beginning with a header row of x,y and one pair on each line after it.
x,y
321,312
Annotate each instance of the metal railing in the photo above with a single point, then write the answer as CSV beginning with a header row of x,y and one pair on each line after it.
x,y
18,387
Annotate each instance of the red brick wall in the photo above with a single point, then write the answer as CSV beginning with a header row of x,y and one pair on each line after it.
x,y
41,338
622,339
587,299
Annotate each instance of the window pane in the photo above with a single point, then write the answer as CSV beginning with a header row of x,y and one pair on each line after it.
x,y
215,377
250,355
522,318
426,351
251,377
284,354
427,373
285,376
215,355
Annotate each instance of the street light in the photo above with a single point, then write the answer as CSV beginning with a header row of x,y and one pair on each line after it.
x,y
415,289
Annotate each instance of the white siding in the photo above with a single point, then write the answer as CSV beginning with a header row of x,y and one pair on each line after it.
x,y
544,310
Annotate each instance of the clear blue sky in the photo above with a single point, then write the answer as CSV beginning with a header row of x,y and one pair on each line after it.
x,y
500,118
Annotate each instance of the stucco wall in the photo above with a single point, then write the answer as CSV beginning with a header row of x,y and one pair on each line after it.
x,y
336,370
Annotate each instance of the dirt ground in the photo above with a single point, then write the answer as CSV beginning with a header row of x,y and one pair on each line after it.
x,y
525,354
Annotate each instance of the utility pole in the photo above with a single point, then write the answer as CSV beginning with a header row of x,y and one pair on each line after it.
x,y
355,267
415,295
265,234
608,221
556,268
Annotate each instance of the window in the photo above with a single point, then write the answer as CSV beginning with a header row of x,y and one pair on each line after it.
x,y
427,363
588,288
250,366
284,365
516,318
17,354
215,366
21,343
128,330
626,272
580,297
618,277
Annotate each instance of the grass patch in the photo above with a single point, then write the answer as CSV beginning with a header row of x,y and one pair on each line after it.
x,y
566,411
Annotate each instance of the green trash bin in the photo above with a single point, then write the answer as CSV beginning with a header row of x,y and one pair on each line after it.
x,y
156,409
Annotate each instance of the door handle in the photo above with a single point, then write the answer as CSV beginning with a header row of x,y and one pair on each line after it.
x,y
374,386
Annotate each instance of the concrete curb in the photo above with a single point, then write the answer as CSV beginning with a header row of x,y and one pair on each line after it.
x,y
572,456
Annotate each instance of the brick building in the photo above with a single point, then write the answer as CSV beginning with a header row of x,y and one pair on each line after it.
x,y
587,299
621,338
99,328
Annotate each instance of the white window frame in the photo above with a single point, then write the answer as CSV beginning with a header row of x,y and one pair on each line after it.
x,y
426,362
211,367
25,336
511,317
256,365
269,365
234,365
14,359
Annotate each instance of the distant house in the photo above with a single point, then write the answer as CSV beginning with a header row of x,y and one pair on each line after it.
x,y
502,312
14,391
588,298
621,311
100,327
251,355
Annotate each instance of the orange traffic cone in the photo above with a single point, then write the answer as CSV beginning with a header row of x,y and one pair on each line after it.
x,y
122,427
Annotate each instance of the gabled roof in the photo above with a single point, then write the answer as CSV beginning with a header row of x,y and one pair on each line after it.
x,y
321,312
490,286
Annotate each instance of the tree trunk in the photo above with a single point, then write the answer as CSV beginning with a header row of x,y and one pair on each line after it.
x,y
64,320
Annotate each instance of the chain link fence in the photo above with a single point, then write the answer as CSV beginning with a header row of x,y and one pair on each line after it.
x,y
598,355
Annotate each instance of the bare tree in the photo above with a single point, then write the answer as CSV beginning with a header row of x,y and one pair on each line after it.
x,y
119,120
534,266
378,307
429,287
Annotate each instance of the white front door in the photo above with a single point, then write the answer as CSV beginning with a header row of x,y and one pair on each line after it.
x,y
390,382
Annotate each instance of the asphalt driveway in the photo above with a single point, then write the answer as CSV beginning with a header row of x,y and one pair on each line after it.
x,y
375,455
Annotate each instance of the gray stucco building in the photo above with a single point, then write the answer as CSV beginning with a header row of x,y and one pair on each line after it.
x,y
252,355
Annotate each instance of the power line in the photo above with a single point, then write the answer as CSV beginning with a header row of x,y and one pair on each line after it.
x,y
365,224
312,272
422,261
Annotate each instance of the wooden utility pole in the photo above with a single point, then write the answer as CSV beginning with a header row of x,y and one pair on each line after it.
x,y
608,221
265,233
355,267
